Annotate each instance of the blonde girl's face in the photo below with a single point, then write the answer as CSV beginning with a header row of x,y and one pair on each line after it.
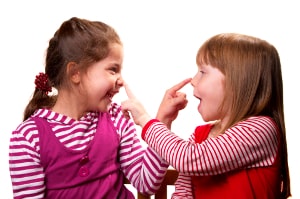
x,y
209,88
103,80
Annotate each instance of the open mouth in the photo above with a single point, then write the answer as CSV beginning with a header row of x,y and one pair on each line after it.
x,y
110,95
197,97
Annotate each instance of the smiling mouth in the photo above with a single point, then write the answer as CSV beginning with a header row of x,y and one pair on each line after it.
x,y
111,95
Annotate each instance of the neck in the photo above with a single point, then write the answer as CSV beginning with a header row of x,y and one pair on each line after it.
x,y
68,105
216,129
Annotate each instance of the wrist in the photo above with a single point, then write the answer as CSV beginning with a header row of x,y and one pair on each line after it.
x,y
144,120
167,122
146,126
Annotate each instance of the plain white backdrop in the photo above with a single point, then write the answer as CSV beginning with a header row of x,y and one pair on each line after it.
x,y
160,39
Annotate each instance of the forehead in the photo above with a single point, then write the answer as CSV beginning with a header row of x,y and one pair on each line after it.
x,y
116,50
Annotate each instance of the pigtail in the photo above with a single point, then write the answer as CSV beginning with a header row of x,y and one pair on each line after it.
x,y
41,97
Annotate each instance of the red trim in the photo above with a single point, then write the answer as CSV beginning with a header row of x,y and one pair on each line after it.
x,y
145,128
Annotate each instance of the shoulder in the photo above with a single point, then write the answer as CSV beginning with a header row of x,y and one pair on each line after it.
x,y
258,123
26,126
261,126
25,134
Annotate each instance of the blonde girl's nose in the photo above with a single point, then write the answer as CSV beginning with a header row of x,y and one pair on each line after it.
x,y
194,81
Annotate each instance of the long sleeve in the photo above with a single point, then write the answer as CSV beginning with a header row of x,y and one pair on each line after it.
x,y
183,187
144,168
183,184
24,162
248,144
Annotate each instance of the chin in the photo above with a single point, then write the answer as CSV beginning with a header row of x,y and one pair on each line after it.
x,y
104,108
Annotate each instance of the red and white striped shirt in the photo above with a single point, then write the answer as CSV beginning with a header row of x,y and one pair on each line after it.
x,y
251,143
143,167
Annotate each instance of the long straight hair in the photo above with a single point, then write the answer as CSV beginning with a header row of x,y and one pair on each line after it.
x,y
253,83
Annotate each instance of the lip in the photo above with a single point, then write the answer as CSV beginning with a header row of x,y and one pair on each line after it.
x,y
112,94
197,97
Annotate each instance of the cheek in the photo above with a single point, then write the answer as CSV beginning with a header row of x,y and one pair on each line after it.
x,y
203,88
219,93
212,92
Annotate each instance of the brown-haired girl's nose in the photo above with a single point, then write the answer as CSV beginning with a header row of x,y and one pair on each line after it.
x,y
120,82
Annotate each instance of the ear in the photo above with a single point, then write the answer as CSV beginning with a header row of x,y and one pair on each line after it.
x,y
73,72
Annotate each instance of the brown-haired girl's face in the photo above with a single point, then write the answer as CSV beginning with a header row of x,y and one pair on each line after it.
x,y
209,88
102,80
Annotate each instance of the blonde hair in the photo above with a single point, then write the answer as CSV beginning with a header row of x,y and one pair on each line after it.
x,y
253,82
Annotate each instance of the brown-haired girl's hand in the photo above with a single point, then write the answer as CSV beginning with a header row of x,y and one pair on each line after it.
x,y
172,102
135,107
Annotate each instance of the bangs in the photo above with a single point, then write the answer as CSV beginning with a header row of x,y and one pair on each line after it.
x,y
209,54
203,56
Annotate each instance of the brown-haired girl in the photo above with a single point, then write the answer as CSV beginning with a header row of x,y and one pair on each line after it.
x,y
77,143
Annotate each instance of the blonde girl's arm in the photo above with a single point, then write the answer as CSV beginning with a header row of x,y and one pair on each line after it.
x,y
251,143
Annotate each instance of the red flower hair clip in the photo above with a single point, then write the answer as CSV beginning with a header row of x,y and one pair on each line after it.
x,y
42,83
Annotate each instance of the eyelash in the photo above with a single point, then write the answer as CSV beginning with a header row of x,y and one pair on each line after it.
x,y
114,69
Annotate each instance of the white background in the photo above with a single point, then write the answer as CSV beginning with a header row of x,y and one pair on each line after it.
x,y
160,39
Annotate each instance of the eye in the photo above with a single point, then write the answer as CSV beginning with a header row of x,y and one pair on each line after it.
x,y
115,69
201,72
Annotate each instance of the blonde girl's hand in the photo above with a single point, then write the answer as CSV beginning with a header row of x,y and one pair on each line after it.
x,y
172,102
135,107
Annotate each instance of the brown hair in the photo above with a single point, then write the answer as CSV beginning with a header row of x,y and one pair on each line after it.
x,y
253,82
77,40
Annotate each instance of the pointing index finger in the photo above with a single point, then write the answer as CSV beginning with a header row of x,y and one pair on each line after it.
x,y
180,85
128,91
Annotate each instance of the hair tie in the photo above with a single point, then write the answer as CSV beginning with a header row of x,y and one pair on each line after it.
x,y
42,83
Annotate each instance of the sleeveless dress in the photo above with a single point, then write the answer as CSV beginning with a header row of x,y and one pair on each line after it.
x,y
91,173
